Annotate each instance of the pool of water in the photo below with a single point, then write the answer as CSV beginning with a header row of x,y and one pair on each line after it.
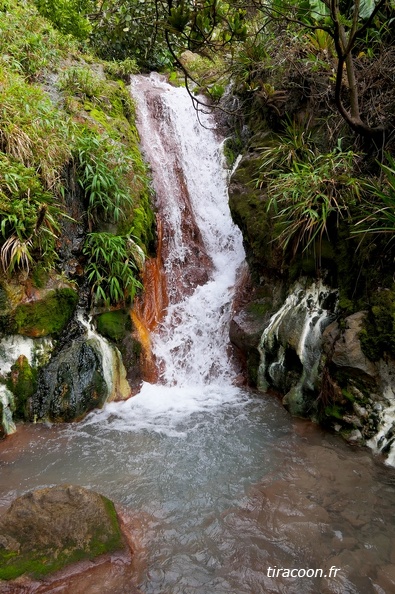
x,y
225,486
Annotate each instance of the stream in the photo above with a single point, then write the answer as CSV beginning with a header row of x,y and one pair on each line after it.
x,y
230,494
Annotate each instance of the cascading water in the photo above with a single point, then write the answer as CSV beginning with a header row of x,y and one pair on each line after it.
x,y
113,368
223,485
6,406
36,351
203,248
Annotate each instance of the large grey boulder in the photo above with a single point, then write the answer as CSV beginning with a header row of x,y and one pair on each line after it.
x,y
47,529
346,346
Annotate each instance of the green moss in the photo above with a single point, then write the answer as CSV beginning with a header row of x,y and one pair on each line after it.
x,y
113,324
3,298
334,411
378,334
47,316
115,542
39,563
260,308
348,395
40,276
249,211
23,384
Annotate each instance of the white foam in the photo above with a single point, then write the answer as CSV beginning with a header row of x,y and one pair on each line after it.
x,y
164,409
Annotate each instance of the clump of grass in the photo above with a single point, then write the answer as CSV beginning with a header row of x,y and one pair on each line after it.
x,y
80,81
312,197
378,209
307,192
32,130
121,69
28,45
29,218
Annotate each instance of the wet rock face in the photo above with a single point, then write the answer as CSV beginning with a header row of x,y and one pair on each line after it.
x,y
357,394
47,529
290,346
245,331
249,211
347,351
72,384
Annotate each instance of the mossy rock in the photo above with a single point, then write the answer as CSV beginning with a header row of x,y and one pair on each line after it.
x,y
23,384
113,324
45,530
72,384
248,207
48,315
378,334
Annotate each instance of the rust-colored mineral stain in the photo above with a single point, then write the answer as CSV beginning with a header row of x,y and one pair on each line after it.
x,y
149,308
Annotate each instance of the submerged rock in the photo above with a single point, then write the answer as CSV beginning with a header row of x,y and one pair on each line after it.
x,y
45,530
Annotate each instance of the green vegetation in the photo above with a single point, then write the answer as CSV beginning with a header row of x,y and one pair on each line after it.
x,y
28,44
113,261
102,170
69,16
379,209
310,197
113,324
29,219
62,119
47,316
33,130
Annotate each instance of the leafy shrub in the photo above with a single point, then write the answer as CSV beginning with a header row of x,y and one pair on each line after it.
x,y
102,171
69,16
29,219
113,264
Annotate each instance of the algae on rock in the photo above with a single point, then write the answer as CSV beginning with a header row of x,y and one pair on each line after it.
x,y
47,529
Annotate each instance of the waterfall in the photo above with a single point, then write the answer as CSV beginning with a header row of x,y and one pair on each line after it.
x,y
202,248
113,368
6,407
201,252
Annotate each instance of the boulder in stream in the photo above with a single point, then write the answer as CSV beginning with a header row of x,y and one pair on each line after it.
x,y
45,530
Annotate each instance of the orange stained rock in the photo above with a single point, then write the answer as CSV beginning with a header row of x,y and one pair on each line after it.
x,y
149,308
